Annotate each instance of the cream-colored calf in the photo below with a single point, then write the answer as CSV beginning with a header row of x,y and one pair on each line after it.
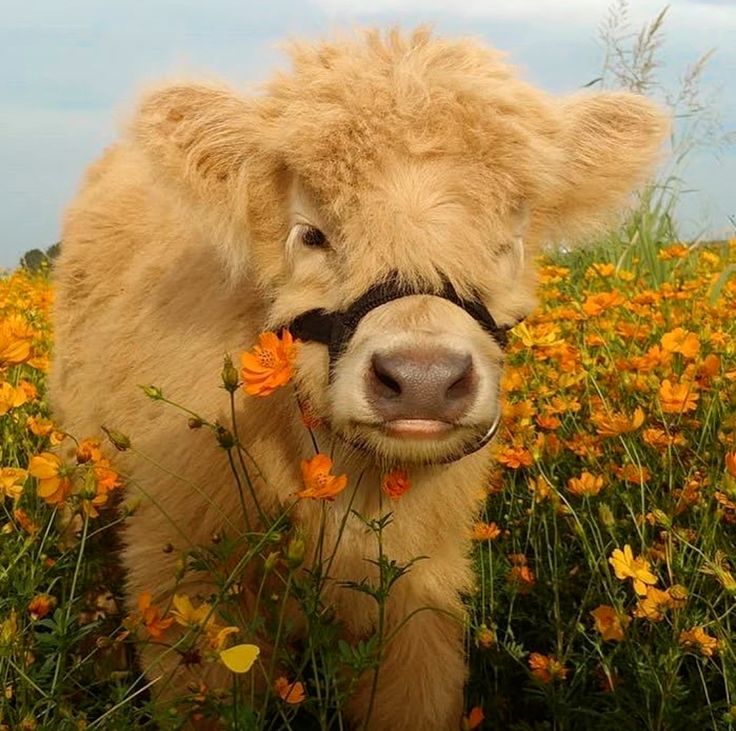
x,y
416,163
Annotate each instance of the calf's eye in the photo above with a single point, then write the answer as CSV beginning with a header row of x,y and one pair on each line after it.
x,y
314,238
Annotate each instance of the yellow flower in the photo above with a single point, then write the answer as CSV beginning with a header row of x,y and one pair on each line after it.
x,y
627,567
609,623
11,482
698,638
240,658
54,483
186,615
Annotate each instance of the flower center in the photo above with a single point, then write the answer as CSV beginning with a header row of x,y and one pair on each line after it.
x,y
267,358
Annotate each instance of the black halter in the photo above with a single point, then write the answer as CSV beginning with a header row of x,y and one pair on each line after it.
x,y
334,329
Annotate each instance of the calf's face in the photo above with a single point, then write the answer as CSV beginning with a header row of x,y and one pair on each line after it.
x,y
419,163
418,378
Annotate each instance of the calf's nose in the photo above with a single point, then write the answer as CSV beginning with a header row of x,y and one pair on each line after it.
x,y
421,383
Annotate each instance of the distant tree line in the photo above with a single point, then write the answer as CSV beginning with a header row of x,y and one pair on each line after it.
x,y
36,259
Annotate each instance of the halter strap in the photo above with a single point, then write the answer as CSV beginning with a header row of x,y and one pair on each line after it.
x,y
334,329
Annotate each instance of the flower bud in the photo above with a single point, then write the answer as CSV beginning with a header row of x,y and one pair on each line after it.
x,y
605,514
153,392
270,562
194,422
485,637
225,437
118,439
229,375
295,552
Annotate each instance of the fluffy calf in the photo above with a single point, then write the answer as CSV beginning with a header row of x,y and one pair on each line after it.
x,y
421,163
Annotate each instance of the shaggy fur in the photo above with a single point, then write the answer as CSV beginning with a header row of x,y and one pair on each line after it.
x,y
414,154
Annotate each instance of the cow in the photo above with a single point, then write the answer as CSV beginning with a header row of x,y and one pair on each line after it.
x,y
384,200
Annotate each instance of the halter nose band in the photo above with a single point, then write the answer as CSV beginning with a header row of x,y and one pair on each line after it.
x,y
334,329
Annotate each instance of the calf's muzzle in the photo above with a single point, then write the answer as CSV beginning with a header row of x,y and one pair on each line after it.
x,y
421,384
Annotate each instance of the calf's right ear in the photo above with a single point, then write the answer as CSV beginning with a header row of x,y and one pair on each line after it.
x,y
201,143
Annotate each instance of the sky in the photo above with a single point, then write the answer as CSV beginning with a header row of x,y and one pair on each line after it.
x,y
70,72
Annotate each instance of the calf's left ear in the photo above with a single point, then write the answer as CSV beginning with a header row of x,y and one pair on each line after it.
x,y
611,143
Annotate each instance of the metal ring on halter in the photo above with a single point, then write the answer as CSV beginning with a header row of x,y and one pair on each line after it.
x,y
470,449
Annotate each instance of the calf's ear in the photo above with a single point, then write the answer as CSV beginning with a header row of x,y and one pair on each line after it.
x,y
611,143
201,144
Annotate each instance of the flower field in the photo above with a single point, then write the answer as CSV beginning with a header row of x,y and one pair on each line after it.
x,y
606,554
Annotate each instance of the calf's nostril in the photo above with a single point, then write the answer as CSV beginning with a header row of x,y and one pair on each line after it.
x,y
387,384
464,384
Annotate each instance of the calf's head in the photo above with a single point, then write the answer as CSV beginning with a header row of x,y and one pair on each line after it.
x,y
385,199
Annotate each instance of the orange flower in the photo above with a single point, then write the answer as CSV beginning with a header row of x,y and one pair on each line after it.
x,y
270,364
151,616
602,270
395,484
308,414
547,668
319,484
633,474
54,483
548,421
11,397
610,623
596,304
40,606
486,532
674,251
677,398
731,463
515,457
25,522
585,485
522,578
474,719
15,346
698,637
291,693
11,482
613,425
89,451
661,439
653,605
39,426
627,567
681,341
485,637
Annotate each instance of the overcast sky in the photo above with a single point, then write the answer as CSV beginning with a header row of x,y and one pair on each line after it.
x,y
69,71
